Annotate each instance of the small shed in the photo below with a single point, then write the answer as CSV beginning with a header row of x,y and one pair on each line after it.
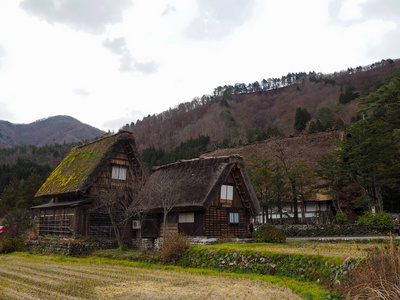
x,y
208,197
108,163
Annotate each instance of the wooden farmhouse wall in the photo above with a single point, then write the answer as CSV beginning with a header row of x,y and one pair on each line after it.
x,y
218,216
99,222
63,221
223,217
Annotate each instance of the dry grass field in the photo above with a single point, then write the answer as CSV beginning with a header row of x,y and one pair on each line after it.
x,y
341,249
25,276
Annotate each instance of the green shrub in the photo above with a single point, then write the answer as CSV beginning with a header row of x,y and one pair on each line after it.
x,y
267,233
173,247
380,221
11,244
341,218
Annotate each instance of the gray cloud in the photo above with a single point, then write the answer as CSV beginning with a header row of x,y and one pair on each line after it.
x,y
127,62
5,114
2,54
81,92
88,15
116,46
388,10
116,124
217,19
169,9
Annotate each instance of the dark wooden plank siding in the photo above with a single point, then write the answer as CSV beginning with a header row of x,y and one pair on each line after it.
x,y
58,222
150,226
217,222
100,225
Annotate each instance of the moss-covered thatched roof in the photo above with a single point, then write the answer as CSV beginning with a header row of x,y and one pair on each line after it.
x,y
195,183
80,168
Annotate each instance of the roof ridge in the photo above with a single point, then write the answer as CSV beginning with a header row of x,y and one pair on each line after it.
x,y
198,159
103,137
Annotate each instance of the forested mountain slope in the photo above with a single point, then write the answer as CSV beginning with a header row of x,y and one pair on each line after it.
x,y
228,115
53,130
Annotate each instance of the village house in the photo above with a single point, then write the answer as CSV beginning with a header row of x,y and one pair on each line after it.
x,y
206,197
110,163
315,210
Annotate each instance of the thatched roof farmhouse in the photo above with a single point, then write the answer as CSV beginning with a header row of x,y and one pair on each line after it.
x,y
205,197
109,162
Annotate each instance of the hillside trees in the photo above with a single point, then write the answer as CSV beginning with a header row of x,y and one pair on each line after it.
x,y
384,104
277,186
332,181
257,134
16,200
325,120
369,156
369,153
20,195
348,95
192,148
303,177
260,173
301,118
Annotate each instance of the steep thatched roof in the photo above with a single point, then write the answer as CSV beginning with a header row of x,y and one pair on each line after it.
x,y
77,172
193,184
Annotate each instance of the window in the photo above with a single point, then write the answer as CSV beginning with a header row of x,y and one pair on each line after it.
x,y
186,217
226,192
234,218
118,173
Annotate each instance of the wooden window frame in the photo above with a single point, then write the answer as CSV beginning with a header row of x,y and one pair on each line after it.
x,y
119,172
227,192
186,217
233,218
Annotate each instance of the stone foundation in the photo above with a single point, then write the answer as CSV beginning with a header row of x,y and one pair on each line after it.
x,y
68,247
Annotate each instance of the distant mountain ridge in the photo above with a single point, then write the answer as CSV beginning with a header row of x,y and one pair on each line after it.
x,y
57,129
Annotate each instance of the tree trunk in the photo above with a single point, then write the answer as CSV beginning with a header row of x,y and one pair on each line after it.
x,y
295,206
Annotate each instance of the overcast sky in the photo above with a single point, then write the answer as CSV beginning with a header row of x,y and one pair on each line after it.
x,y
108,63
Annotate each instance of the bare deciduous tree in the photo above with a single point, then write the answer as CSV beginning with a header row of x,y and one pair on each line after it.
x,y
121,205
167,197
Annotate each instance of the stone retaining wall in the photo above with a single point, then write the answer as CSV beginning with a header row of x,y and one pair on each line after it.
x,y
68,248
302,266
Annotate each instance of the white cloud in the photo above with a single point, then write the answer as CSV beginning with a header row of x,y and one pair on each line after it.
x,y
127,118
82,92
5,113
127,62
169,9
88,15
2,54
217,19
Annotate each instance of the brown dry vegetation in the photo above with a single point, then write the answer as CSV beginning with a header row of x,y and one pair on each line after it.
x,y
308,147
34,277
340,249
273,108
378,277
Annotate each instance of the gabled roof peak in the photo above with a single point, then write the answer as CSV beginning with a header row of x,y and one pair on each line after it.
x,y
115,135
